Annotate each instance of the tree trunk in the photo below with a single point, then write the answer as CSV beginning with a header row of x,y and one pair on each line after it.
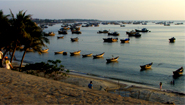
x,y
13,53
22,60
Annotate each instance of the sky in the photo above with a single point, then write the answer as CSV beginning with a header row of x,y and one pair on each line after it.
x,y
98,9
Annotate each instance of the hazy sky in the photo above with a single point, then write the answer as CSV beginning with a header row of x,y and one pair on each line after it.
x,y
98,9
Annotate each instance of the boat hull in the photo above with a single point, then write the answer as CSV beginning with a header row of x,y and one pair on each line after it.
x,y
75,53
87,55
147,66
99,55
113,59
59,52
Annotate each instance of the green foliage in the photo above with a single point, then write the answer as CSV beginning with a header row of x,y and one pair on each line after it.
x,y
47,68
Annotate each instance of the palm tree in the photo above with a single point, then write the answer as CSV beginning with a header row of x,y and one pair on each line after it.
x,y
4,32
35,40
19,29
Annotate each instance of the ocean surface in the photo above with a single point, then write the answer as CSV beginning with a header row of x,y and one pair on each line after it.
x,y
153,47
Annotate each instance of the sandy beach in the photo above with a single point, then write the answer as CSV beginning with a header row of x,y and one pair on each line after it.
x,y
21,88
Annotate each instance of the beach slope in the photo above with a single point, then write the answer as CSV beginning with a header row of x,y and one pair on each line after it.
x,y
20,88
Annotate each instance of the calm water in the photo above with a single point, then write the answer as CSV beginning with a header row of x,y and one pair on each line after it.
x,y
150,47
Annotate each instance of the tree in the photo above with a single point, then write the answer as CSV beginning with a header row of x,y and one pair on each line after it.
x,y
18,29
36,40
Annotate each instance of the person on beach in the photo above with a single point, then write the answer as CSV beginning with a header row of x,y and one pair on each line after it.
x,y
1,58
7,63
160,84
90,85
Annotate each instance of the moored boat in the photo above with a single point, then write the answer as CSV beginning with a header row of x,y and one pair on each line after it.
x,y
110,39
87,55
60,37
146,66
142,30
44,50
59,52
62,32
76,32
135,34
113,33
99,55
74,39
172,39
125,40
178,72
49,34
75,52
104,31
113,59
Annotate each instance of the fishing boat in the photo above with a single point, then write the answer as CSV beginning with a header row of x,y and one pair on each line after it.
x,y
146,66
87,55
113,59
76,32
59,52
60,37
49,34
122,25
62,32
114,33
172,39
99,55
178,72
125,40
75,52
44,50
142,30
135,34
110,39
104,31
74,39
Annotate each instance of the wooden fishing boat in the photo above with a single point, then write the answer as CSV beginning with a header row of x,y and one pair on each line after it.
x,y
125,40
49,34
146,66
76,32
87,55
110,39
44,50
74,39
114,33
59,52
113,59
142,30
178,72
104,31
135,34
62,32
75,52
60,37
99,55
172,39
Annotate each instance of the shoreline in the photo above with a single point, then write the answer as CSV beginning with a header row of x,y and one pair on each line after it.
x,y
124,89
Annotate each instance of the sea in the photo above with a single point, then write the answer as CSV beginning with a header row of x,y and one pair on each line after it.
x,y
152,46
